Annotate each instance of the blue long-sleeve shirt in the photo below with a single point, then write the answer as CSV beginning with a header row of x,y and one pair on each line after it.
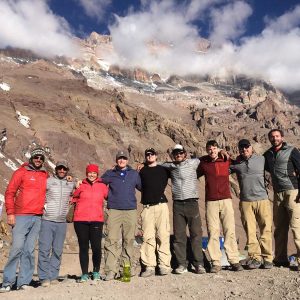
x,y
122,185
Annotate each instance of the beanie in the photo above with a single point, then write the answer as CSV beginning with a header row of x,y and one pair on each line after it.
x,y
37,151
92,168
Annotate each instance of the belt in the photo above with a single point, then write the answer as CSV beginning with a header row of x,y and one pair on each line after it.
x,y
152,204
191,200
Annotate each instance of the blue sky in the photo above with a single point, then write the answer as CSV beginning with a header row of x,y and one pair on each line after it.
x,y
256,38
83,24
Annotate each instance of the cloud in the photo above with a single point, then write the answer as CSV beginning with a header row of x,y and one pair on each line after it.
x,y
228,22
284,23
274,54
162,37
95,8
30,24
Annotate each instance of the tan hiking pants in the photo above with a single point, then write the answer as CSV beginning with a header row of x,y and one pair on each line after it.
x,y
216,211
260,212
156,235
286,213
120,224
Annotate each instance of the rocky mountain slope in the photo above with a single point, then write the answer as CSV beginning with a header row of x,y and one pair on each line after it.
x,y
85,110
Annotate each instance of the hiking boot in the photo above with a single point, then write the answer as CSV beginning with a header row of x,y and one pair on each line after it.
x,y
54,281
164,271
24,287
267,265
285,264
5,289
110,276
180,270
215,269
200,269
148,272
253,264
96,276
45,283
236,267
83,278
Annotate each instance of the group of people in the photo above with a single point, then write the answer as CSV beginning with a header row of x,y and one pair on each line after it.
x,y
37,206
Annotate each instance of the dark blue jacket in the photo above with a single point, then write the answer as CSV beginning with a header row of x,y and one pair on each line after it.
x,y
121,194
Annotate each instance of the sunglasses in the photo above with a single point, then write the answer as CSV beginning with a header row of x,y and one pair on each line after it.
x,y
150,154
244,147
39,157
122,157
178,153
61,168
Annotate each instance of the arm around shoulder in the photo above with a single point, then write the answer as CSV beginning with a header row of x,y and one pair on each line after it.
x,y
295,156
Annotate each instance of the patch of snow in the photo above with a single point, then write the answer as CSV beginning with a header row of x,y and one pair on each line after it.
x,y
5,86
19,161
103,64
77,107
59,64
1,205
24,120
9,163
51,164
1,155
8,59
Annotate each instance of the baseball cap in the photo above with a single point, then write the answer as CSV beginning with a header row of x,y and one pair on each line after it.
x,y
122,153
62,164
178,148
150,150
244,142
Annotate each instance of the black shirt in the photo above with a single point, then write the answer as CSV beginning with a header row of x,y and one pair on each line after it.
x,y
154,181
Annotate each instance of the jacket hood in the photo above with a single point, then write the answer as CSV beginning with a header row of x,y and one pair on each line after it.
x,y
30,167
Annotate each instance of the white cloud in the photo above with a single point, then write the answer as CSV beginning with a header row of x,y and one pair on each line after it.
x,y
30,24
228,22
95,8
197,7
168,28
284,23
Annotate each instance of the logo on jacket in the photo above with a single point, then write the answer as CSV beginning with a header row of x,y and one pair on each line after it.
x,y
32,178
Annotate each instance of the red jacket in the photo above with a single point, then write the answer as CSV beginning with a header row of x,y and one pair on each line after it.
x,y
216,178
89,198
26,191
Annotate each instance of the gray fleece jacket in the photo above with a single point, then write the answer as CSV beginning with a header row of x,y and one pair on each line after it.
x,y
250,174
58,195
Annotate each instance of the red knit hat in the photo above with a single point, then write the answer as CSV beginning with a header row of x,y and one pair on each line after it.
x,y
92,168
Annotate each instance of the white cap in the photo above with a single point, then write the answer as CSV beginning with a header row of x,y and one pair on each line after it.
x,y
178,147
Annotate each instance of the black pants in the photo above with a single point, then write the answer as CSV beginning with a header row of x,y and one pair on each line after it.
x,y
89,232
186,213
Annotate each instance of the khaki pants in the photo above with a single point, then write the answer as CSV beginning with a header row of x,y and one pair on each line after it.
x,y
216,211
286,213
156,235
120,224
260,212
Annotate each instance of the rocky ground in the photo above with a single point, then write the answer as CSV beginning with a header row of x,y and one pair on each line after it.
x,y
277,284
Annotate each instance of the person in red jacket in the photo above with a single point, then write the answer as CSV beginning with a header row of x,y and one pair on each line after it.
x,y
88,220
24,202
219,207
